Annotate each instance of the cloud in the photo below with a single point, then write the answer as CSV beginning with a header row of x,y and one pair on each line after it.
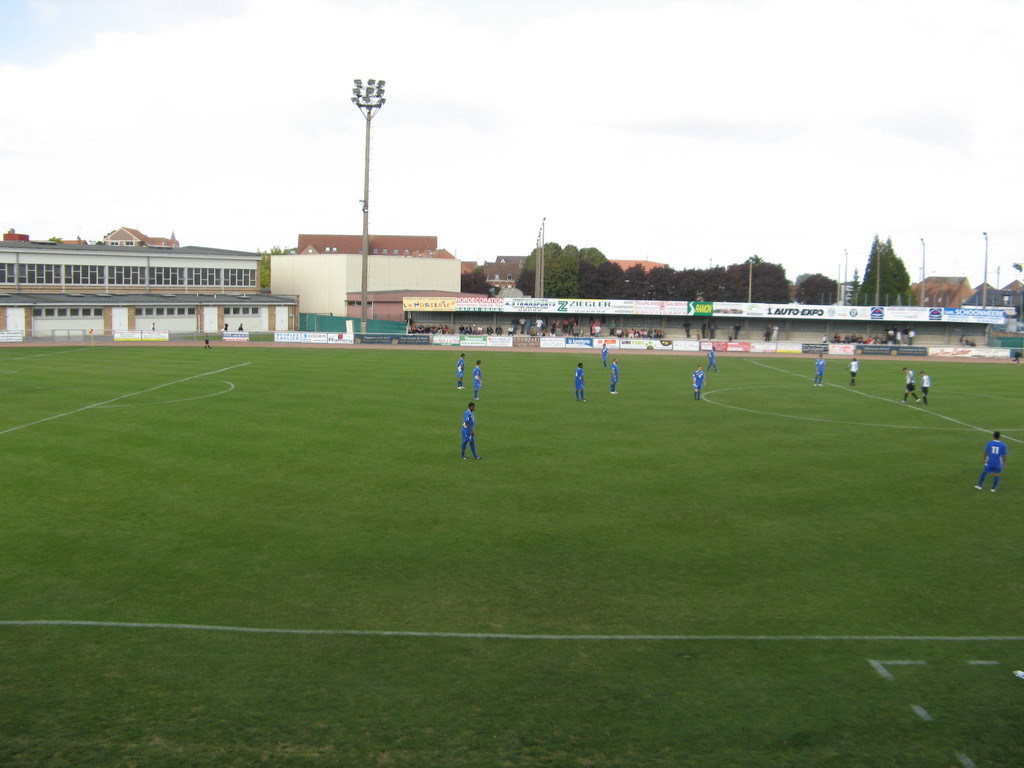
x,y
683,131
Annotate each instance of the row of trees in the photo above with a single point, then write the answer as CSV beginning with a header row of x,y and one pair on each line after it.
x,y
572,273
591,275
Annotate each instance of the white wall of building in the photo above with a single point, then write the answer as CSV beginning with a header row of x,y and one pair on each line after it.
x,y
322,281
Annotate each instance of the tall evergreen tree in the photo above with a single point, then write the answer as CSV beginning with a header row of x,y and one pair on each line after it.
x,y
886,280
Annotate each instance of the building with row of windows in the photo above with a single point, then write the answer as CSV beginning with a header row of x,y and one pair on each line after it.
x,y
54,289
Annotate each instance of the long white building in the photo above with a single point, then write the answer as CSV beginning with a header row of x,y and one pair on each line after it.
x,y
55,289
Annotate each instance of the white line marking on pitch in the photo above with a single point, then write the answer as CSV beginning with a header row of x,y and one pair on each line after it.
x,y
713,401
978,663
119,397
178,400
881,666
50,354
922,712
856,391
965,761
497,636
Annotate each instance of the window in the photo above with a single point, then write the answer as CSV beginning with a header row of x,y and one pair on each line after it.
x,y
84,274
166,276
40,274
203,276
7,273
127,276
243,278
163,311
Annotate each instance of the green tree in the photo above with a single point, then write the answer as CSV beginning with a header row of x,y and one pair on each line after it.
x,y
265,264
551,251
817,289
527,281
475,282
593,255
886,280
562,276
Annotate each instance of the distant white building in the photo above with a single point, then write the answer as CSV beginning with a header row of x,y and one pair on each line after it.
x,y
326,269
64,290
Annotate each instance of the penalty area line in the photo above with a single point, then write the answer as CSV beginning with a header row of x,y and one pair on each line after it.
x,y
507,636
884,400
119,397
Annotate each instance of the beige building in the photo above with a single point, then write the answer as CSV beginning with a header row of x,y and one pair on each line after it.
x,y
324,277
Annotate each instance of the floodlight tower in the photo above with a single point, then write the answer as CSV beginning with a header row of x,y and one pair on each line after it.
x,y
369,100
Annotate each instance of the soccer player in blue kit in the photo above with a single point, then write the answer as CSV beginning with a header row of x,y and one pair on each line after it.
x,y
698,382
711,360
615,374
468,431
460,370
995,459
819,371
478,381
604,356
579,384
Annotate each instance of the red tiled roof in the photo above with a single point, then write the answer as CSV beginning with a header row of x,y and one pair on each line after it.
x,y
647,265
393,245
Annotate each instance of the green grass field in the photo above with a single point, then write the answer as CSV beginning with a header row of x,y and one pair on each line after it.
x,y
639,580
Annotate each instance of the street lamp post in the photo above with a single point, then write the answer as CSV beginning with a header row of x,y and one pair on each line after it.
x,y
846,269
984,284
369,100
922,271
878,276
538,267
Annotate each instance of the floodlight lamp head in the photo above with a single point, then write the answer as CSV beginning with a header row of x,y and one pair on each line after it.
x,y
371,83
380,84
359,83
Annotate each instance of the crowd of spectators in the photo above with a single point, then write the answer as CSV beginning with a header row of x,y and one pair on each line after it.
x,y
638,333
420,328
569,326
888,336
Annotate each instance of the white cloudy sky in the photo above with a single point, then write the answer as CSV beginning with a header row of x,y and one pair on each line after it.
x,y
693,132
